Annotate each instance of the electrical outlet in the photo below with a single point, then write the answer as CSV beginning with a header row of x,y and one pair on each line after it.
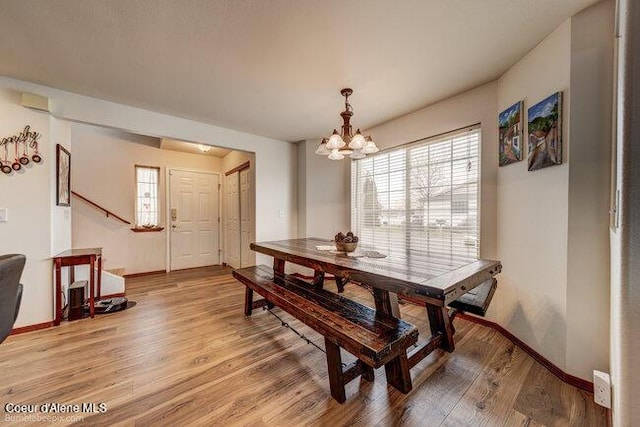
x,y
602,389
4,214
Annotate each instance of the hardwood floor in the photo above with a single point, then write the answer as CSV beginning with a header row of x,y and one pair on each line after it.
x,y
186,355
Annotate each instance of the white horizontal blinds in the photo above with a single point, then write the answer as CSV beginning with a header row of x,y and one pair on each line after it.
x,y
147,203
379,207
420,200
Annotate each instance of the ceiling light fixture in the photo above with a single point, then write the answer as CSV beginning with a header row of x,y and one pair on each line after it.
x,y
338,145
204,148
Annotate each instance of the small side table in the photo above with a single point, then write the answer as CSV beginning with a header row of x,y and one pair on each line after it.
x,y
71,258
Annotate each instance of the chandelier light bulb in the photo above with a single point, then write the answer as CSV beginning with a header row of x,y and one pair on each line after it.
x,y
357,142
371,147
322,148
335,141
335,155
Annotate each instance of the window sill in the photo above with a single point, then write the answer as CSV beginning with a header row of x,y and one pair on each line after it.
x,y
146,230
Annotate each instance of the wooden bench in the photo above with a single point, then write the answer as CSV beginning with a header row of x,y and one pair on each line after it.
x,y
374,340
477,300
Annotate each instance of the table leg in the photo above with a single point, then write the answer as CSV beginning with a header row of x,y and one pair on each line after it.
x,y
58,293
386,303
340,284
440,323
278,267
92,277
99,277
397,369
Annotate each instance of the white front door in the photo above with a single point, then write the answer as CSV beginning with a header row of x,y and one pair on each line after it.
x,y
232,228
194,212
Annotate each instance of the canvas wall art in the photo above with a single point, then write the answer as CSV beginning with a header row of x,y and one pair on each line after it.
x,y
510,124
545,132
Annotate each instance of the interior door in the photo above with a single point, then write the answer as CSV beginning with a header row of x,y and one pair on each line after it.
x,y
247,256
194,216
232,226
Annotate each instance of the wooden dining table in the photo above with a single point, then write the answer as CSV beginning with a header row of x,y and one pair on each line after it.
x,y
429,281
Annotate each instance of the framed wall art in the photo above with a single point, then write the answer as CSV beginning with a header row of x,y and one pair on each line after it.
x,y
545,132
63,176
510,125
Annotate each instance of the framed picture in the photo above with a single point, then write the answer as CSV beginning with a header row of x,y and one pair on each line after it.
x,y
545,132
63,176
510,124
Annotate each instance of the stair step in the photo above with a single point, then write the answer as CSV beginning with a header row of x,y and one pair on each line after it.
x,y
116,271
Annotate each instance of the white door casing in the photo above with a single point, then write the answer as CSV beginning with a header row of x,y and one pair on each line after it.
x,y
232,226
193,215
247,256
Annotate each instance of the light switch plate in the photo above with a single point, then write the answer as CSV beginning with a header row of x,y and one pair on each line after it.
x,y
4,214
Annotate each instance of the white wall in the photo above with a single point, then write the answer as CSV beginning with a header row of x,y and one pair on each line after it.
x,y
533,210
105,156
60,215
552,235
592,35
37,227
323,187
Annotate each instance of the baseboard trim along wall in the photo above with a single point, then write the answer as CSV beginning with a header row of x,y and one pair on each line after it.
x,y
30,328
117,295
146,273
45,325
568,378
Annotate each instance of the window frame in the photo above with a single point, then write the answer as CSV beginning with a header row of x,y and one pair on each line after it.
x,y
139,227
409,214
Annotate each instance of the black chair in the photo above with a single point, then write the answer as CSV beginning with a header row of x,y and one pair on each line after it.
x,y
11,267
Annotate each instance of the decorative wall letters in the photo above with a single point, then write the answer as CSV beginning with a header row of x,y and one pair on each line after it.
x,y
19,146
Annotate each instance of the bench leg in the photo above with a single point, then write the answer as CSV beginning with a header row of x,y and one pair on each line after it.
x,y
398,375
340,284
334,367
367,373
248,301
440,323
318,279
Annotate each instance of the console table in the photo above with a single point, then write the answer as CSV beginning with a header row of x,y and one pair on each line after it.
x,y
71,258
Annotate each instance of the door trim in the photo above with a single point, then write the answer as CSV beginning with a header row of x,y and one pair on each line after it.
x,y
167,195
243,166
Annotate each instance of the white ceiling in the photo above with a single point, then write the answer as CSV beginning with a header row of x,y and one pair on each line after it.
x,y
272,68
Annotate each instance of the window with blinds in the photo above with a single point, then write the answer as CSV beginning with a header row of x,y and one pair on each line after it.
x,y
420,200
147,202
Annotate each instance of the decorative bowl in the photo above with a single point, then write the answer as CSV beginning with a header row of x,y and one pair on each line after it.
x,y
346,247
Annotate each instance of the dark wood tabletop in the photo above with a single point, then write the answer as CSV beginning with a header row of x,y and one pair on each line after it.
x,y
437,281
79,252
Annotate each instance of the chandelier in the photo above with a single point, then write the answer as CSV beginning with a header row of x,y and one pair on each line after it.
x,y
338,145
